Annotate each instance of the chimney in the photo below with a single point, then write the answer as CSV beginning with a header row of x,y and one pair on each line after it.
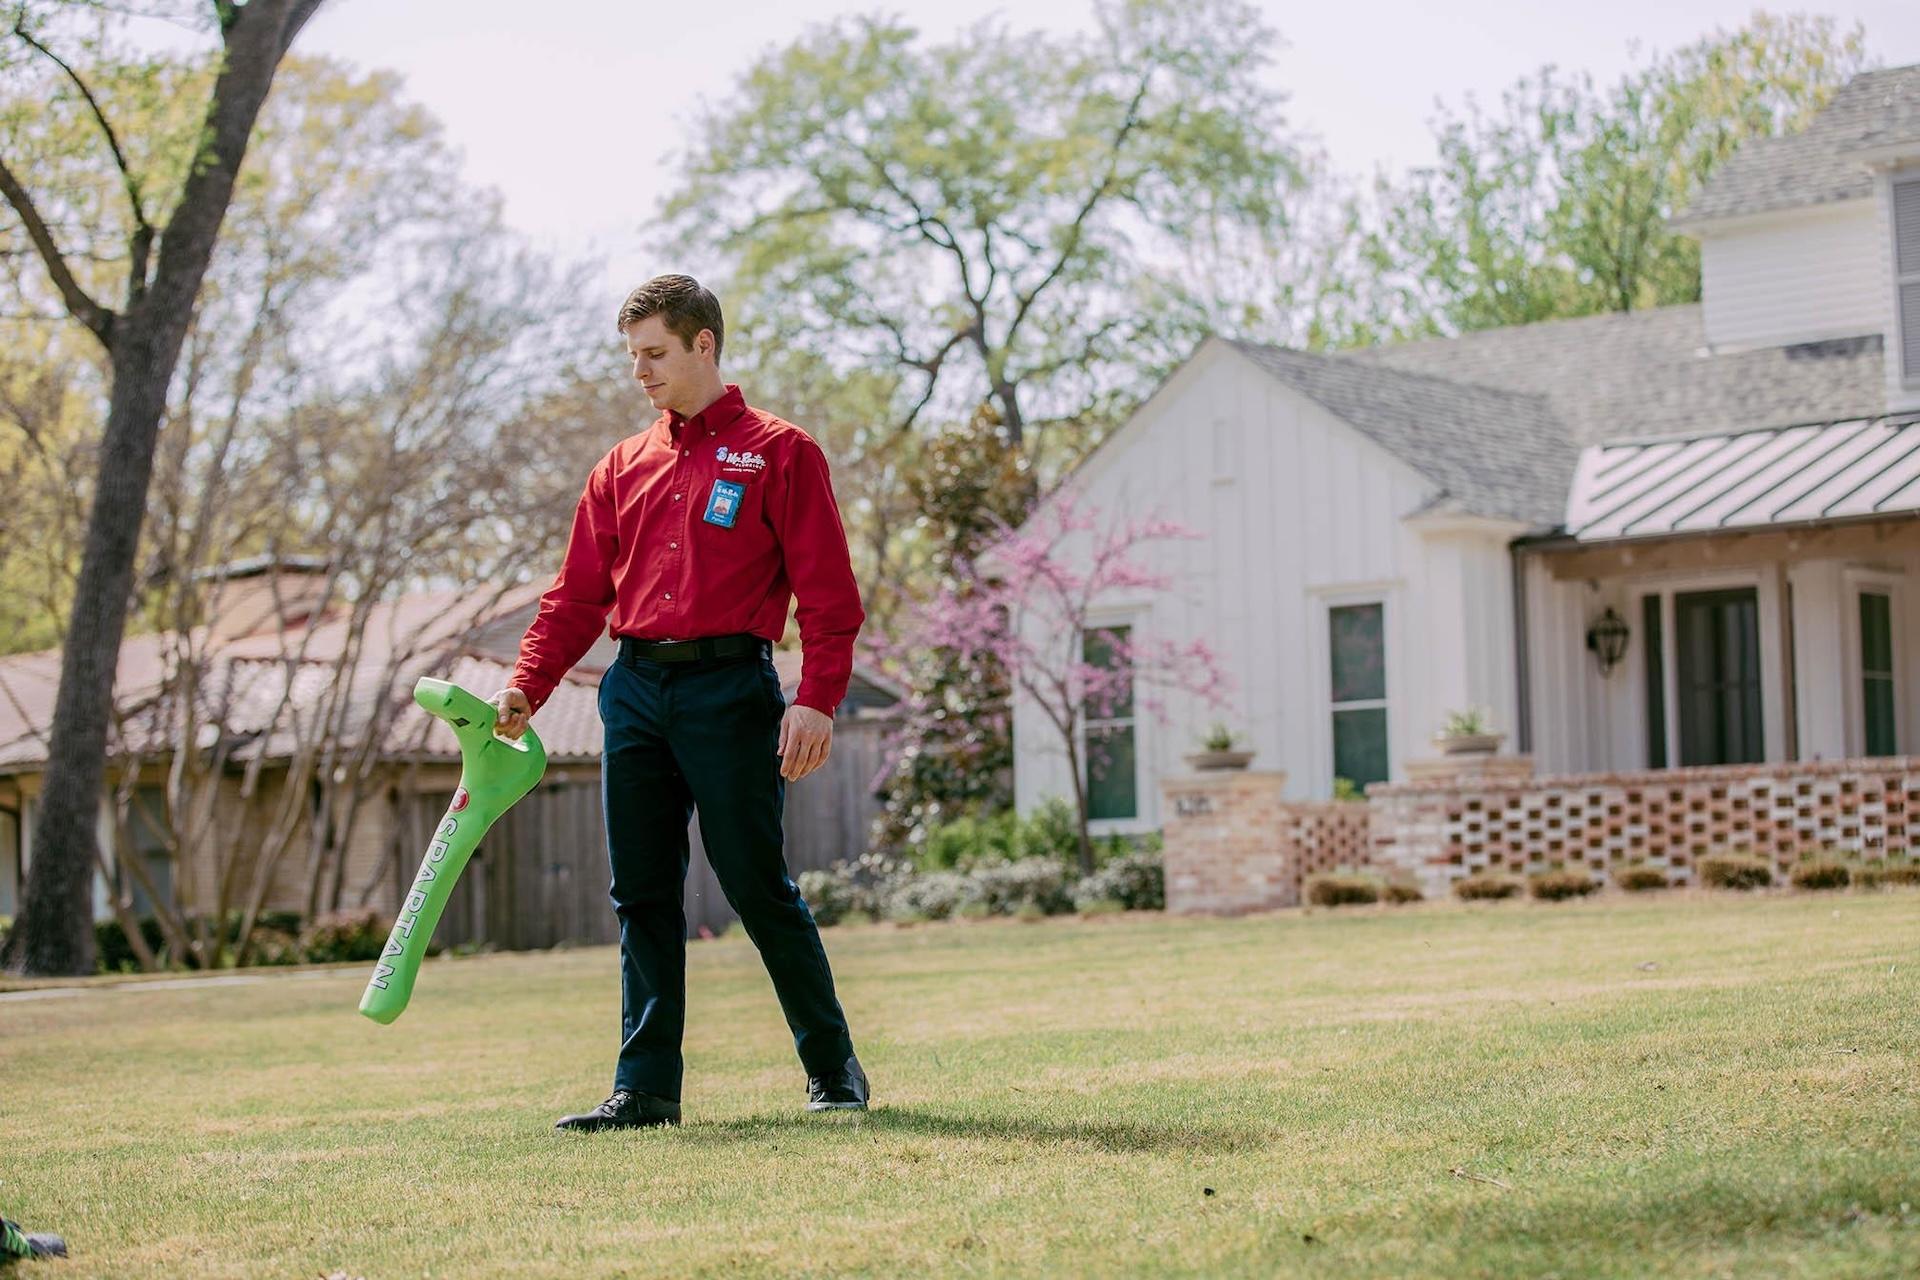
x,y
243,595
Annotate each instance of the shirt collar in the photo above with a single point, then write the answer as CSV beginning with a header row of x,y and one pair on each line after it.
x,y
713,418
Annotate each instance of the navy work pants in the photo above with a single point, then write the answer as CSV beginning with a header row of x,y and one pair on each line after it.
x,y
682,737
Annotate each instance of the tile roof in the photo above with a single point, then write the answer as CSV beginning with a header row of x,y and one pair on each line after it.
x,y
1823,163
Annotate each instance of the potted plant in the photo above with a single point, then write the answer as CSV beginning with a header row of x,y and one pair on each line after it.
x,y
1218,750
1468,733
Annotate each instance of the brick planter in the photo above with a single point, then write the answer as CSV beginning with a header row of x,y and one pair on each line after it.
x,y
1224,846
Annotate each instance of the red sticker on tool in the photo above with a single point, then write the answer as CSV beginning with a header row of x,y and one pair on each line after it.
x,y
459,800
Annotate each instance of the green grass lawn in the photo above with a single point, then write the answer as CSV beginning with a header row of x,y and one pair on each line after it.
x,y
1700,1085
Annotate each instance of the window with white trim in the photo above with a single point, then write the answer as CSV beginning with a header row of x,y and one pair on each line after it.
x,y
1357,649
1877,695
1112,739
1906,275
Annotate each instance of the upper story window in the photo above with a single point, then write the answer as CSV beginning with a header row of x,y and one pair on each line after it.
x,y
1906,275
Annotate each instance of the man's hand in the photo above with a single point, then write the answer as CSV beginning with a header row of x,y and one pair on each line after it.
x,y
806,740
512,712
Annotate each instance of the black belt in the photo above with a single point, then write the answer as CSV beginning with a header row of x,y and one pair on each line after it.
x,y
704,650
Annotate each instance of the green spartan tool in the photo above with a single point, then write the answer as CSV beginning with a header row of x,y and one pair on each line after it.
x,y
494,773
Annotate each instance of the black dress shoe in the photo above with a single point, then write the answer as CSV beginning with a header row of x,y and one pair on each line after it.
x,y
844,1089
624,1110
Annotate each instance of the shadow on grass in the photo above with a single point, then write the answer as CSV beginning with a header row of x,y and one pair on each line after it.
x,y
1101,1135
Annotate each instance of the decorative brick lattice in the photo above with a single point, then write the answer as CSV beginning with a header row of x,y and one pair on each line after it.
x,y
1327,836
1669,818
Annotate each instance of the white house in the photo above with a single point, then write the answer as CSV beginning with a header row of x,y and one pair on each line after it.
x,y
1394,533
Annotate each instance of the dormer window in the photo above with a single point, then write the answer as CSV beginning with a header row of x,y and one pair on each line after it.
x,y
1906,275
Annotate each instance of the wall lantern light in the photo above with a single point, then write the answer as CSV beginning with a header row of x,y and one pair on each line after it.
x,y
1607,640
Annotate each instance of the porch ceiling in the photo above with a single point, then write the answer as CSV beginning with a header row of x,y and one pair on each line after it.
x,y
1749,480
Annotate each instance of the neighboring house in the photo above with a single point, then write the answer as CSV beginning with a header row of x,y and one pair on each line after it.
x,y
539,878
1393,533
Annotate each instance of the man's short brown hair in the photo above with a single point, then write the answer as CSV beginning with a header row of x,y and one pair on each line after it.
x,y
687,305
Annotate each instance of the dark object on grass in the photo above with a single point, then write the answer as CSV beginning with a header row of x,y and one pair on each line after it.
x,y
1735,871
1399,892
1821,873
16,1244
1486,885
1641,878
1340,889
1557,886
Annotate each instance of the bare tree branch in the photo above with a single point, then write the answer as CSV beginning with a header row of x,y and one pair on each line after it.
x,y
141,242
80,304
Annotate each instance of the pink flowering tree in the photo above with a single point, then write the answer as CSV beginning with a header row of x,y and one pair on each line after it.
x,y
1029,608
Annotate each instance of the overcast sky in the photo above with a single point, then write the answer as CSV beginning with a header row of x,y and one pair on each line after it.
x,y
573,114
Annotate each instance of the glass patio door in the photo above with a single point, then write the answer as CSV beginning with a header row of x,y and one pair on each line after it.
x,y
1717,648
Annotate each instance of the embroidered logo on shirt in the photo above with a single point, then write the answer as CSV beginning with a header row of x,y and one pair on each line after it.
x,y
740,458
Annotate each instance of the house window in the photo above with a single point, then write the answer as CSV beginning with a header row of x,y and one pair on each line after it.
x,y
1906,256
1876,672
147,837
1113,789
9,863
1357,646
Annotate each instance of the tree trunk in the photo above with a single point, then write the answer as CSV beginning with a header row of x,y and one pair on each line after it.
x,y
54,934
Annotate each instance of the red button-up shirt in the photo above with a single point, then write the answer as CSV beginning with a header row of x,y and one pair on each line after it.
x,y
645,560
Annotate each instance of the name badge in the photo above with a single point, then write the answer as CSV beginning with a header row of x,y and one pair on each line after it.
x,y
723,504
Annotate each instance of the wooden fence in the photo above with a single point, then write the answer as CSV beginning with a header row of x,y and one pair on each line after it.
x,y
540,877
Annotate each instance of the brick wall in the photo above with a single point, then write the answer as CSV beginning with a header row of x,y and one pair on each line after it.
x,y
1327,836
1224,848
1232,843
1443,830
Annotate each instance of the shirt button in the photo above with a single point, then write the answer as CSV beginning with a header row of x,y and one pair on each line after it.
x,y
676,497
669,595
673,546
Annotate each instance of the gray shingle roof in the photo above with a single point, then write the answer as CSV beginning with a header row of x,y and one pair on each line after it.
x,y
1496,418
1492,452
1648,373
1821,164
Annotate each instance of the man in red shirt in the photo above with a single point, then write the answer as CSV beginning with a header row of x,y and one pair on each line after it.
x,y
691,539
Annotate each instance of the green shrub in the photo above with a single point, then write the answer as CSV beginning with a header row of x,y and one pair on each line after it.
x,y
1029,912
1137,881
1050,831
1641,878
856,888
1486,885
345,935
1341,889
1400,892
1098,906
925,895
114,954
1905,873
1007,887
1559,885
1820,873
273,947
1735,871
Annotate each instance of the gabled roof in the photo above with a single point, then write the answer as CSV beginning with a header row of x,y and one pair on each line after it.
x,y
1631,375
1491,452
1749,479
1823,164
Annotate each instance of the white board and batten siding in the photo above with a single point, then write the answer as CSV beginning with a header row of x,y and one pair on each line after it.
x,y
1297,513
1798,276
